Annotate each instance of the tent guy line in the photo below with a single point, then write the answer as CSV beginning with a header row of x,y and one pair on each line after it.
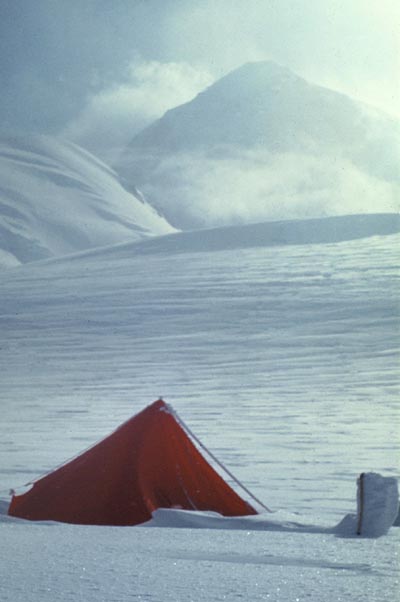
x,y
218,462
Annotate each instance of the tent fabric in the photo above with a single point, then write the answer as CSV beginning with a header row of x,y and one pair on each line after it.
x,y
149,462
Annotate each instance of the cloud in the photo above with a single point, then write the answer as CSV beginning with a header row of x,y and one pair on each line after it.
x,y
112,117
55,56
194,190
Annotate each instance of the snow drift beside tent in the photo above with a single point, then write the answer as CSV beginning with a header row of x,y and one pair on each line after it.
x,y
149,462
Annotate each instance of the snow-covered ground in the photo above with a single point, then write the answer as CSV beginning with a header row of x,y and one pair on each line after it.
x,y
282,359
64,562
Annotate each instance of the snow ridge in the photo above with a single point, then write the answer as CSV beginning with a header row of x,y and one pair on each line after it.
x,y
57,198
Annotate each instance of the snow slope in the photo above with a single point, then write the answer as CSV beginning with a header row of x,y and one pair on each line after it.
x,y
282,359
262,143
56,198
268,234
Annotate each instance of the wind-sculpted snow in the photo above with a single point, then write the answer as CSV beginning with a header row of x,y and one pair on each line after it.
x,y
282,359
56,198
271,352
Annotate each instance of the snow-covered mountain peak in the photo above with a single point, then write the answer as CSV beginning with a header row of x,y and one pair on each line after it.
x,y
261,144
257,104
255,75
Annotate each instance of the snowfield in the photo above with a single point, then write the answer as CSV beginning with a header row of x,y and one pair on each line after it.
x,y
282,358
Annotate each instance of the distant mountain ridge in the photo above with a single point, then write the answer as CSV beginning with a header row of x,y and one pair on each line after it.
x,y
266,109
56,198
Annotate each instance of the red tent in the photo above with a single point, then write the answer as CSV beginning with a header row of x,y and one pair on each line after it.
x,y
149,462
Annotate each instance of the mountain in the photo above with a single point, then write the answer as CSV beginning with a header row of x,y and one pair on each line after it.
x,y
263,143
56,198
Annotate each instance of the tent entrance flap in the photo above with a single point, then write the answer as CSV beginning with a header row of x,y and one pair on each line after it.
x,y
149,462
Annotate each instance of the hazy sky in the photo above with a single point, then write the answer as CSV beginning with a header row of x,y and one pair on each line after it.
x,y
72,63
